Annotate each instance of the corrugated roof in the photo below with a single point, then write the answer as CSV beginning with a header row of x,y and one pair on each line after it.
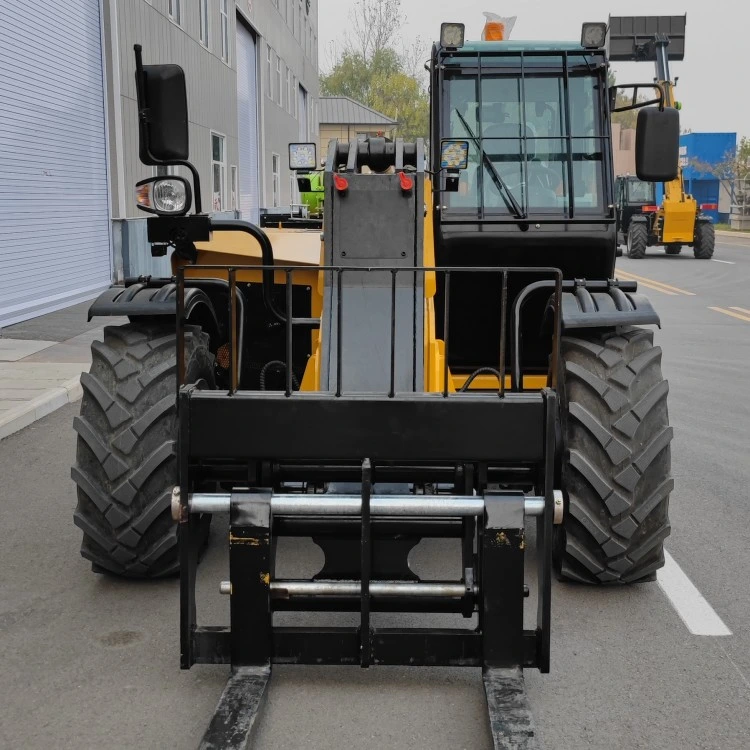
x,y
342,110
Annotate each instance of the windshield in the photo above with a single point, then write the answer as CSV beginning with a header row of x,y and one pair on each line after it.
x,y
548,152
640,192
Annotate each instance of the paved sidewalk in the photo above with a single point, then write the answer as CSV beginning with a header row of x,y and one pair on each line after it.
x,y
41,361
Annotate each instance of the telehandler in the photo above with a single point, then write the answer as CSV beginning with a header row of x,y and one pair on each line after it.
x,y
455,360
679,220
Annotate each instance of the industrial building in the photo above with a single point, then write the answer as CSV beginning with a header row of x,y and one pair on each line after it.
x,y
68,129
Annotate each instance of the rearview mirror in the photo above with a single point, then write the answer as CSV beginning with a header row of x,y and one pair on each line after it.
x,y
163,113
657,144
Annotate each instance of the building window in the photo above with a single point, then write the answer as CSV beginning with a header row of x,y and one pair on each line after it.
x,y
234,199
289,105
278,80
218,172
276,171
175,11
203,21
224,15
269,74
295,98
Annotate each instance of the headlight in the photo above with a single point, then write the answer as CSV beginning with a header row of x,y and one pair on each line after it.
x,y
593,35
452,35
169,196
164,195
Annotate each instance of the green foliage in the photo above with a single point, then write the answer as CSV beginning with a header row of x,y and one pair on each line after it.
x,y
372,72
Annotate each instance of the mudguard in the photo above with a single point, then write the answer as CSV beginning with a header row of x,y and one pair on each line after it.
x,y
582,308
147,299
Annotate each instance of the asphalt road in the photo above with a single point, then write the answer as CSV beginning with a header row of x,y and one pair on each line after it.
x,y
92,662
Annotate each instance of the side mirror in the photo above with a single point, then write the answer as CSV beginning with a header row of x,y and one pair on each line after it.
x,y
162,113
657,144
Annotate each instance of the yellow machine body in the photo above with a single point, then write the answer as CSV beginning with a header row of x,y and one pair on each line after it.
x,y
676,219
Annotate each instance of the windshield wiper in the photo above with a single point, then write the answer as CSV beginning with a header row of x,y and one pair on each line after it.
x,y
502,188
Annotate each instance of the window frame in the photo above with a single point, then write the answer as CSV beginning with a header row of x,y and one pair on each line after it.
x,y
275,180
224,31
269,71
174,11
234,194
222,172
204,25
572,209
280,93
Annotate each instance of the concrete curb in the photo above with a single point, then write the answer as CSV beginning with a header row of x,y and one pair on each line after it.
x,y
725,233
14,420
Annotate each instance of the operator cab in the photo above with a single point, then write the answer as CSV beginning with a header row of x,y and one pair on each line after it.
x,y
539,173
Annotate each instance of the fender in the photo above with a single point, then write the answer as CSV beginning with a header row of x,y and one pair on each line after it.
x,y
607,308
159,297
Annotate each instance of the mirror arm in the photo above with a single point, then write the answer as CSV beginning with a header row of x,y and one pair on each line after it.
x,y
639,105
196,183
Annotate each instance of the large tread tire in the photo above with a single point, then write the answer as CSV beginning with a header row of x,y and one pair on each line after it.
x,y
616,463
125,462
673,249
637,240
704,241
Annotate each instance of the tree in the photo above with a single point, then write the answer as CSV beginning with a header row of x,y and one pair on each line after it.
x,y
375,26
734,166
734,171
370,70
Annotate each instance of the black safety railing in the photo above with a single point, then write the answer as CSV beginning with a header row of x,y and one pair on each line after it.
x,y
510,318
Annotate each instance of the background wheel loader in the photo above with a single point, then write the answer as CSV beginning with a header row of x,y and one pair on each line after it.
x,y
456,361
679,220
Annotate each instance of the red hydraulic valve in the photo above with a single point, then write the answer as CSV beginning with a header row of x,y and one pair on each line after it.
x,y
407,183
341,183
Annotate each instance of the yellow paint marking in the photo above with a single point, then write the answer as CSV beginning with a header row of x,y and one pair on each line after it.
x,y
651,286
746,318
740,309
651,283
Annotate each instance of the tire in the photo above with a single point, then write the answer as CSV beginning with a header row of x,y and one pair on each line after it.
x,y
125,461
616,461
673,249
637,240
704,241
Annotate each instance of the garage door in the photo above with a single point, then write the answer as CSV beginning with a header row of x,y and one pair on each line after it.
x,y
247,111
54,206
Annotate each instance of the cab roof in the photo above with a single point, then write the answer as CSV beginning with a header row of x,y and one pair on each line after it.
x,y
525,46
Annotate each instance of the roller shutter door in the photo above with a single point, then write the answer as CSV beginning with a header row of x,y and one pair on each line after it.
x,y
247,111
55,247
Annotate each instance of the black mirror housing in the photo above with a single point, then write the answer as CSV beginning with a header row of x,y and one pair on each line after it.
x,y
164,125
657,144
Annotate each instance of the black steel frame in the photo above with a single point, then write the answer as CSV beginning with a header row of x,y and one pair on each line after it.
x,y
504,433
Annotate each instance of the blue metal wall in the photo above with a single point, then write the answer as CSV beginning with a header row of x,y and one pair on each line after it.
x,y
708,148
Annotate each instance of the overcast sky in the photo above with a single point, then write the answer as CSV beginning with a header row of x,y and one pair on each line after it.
x,y
714,85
